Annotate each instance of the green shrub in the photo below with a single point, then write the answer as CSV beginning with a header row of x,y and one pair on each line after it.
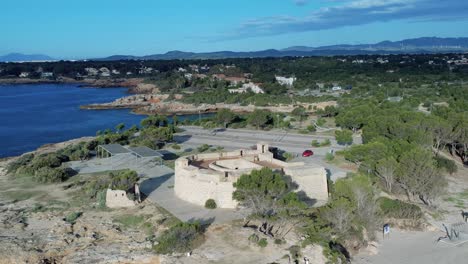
x,y
71,218
51,160
91,145
311,128
295,252
203,148
448,165
25,171
80,151
21,161
180,238
123,180
286,156
175,146
344,137
325,143
95,186
279,241
399,209
210,204
315,143
321,122
329,156
254,238
262,243
130,220
101,198
50,175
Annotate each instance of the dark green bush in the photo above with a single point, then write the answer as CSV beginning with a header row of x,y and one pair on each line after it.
x,y
321,122
71,218
262,243
203,148
21,161
325,143
399,209
101,198
50,175
448,165
80,151
295,252
25,170
180,238
344,137
279,241
210,204
123,180
315,143
51,160
311,128
254,238
93,187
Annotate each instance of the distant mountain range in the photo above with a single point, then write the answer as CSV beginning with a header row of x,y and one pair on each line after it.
x,y
410,46
19,57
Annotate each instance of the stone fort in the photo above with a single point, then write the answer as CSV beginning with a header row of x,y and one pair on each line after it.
x,y
211,175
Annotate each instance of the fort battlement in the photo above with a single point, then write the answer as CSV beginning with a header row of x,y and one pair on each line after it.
x,y
206,176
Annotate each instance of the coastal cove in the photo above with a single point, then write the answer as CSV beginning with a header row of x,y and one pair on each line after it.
x,y
32,115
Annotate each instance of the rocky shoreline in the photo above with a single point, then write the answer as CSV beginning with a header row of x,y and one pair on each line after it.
x,y
147,104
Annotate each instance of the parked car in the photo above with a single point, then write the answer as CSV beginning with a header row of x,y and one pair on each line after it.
x,y
307,153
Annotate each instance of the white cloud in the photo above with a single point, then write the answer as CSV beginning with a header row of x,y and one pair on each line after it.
x,y
353,12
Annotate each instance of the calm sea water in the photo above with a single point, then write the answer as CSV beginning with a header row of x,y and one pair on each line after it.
x,y
34,115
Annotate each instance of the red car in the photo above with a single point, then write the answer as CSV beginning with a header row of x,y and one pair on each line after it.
x,y
307,153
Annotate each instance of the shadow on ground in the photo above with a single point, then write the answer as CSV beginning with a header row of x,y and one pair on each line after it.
x,y
151,184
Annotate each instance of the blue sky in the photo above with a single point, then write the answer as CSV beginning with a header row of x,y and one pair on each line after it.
x,y
95,28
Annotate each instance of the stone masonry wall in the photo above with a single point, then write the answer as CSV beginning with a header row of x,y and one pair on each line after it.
x,y
118,199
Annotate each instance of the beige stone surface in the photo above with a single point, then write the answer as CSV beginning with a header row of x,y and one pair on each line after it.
x,y
118,199
311,180
211,175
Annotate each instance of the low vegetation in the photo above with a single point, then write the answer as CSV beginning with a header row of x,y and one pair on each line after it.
x,y
44,168
72,217
317,144
130,220
399,209
180,238
210,204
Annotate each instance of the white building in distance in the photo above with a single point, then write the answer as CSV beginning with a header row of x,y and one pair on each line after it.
x,y
91,71
246,87
285,81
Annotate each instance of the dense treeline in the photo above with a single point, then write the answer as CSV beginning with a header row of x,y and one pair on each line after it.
x,y
402,147
308,70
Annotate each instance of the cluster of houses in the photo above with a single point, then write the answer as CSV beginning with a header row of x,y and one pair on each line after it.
x,y
43,74
361,61
458,61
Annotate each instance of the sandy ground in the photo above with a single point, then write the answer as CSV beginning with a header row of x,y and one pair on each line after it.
x,y
421,247
414,248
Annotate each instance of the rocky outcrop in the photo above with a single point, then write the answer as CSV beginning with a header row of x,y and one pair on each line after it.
x,y
144,88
